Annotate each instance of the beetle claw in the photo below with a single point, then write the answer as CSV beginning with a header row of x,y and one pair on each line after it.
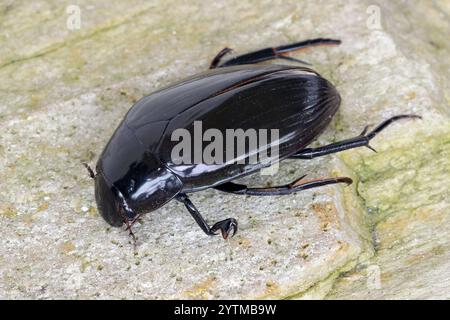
x,y
227,227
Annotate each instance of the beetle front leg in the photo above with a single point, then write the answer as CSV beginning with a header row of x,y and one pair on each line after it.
x,y
360,141
227,227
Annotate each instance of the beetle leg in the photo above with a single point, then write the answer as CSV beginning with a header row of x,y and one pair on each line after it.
x,y
227,227
360,141
297,185
271,53
215,62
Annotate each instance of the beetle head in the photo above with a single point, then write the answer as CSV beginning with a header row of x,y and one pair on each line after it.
x,y
111,203
146,186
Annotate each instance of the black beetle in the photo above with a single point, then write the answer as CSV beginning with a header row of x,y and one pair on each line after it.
x,y
135,173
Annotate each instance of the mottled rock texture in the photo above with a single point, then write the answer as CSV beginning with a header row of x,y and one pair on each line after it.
x,y
63,91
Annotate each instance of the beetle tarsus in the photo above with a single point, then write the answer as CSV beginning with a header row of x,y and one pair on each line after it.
x,y
363,140
387,122
227,227
307,44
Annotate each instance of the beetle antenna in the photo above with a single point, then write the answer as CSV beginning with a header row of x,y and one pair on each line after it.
x,y
89,169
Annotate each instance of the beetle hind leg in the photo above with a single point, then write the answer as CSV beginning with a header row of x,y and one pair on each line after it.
x,y
295,186
270,53
362,140
227,227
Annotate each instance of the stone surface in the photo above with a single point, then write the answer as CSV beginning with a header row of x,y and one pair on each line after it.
x,y
62,92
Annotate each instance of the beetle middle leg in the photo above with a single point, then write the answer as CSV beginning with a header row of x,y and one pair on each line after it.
x,y
295,186
360,141
227,227
270,53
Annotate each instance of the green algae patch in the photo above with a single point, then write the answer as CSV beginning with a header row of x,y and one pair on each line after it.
x,y
64,91
66,247
407,173
8,210
404,188
320,289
